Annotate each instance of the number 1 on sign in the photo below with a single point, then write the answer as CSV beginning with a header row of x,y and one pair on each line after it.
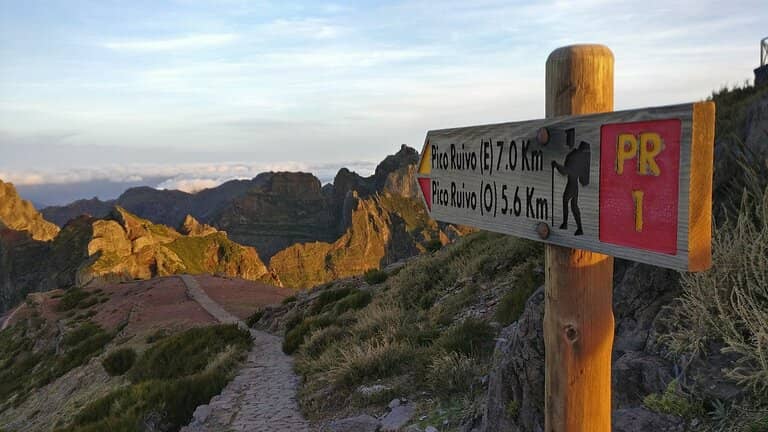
x,y
637,195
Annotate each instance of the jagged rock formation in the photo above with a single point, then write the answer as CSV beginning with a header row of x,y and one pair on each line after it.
x,y
280,210
124,247
382,222
309,232
20,215
376,236
193,228
119,247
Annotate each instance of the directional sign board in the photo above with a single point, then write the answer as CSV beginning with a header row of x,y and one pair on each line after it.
x,y
633,184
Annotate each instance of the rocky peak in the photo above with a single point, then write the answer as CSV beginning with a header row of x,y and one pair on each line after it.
x,y
20,215
193,228
296,184
405,157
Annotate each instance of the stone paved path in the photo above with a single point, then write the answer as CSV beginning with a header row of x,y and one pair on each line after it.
x,y
262,396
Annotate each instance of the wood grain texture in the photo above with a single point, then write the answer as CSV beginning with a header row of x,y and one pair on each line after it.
x,y
571,85
578,340
578,309
700,214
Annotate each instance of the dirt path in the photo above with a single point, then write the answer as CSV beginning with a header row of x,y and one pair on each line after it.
x,y
262,396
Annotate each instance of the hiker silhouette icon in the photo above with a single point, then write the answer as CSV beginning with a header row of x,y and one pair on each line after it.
x,y
576,168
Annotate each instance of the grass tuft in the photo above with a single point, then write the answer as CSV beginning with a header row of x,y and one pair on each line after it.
x,y
375,276
118,362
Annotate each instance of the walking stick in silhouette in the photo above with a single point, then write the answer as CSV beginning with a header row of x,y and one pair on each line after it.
x,y
553,196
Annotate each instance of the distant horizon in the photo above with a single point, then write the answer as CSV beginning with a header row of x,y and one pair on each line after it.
x,y
47,194
105,95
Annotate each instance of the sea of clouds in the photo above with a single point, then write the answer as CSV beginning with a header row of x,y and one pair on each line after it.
x,y
57,187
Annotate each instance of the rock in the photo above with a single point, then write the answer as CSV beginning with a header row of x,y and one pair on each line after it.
x,y
20,215
641,420
394,403
431,429
377,235
129,247
640,292
516,381
193,228
361,423
397,418
517,374
635,375
372,390
201,413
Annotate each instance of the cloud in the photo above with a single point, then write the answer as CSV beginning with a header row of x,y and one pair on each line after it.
x,y
311,28
190,177
176,43
191,185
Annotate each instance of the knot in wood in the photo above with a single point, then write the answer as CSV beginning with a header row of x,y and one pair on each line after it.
x,y
571,334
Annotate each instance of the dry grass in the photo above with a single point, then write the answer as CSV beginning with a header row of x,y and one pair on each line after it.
x,y
452,373
729,303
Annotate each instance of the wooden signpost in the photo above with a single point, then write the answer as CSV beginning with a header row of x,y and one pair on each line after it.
x,y
593,184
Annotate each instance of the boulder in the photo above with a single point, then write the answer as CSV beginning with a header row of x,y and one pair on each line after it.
x,y
516,381
361,423
641,419
397,418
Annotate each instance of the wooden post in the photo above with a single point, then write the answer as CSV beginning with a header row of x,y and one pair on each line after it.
x,y
578,310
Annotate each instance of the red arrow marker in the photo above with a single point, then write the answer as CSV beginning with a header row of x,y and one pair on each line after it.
x,y
426,189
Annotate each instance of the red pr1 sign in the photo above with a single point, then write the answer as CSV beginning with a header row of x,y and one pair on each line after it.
x,y
639,181
632,184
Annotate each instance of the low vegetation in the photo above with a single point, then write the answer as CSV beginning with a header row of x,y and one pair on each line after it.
x,y
413,332
673,401
119,361
28,359
168,381
724,311
375,276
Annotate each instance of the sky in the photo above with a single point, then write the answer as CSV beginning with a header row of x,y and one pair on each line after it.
x,y
99,95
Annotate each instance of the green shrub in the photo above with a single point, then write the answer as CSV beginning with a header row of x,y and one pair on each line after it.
x,y
72,299
170,380
296,336
673,401
327,298
170,401
354,301
321,339
375,276
512,304
471,337
24,368
157,335
417,285
119,361
289,299
188,353
254,318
